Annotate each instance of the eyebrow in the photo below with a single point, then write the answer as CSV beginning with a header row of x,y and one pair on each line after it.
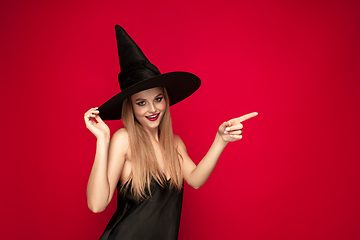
x,y
142,99
158,95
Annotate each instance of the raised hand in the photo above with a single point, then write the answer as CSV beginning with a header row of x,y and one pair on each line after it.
x,y
231,130
95,124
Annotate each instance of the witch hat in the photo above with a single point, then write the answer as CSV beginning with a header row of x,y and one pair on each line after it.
x,y
138,74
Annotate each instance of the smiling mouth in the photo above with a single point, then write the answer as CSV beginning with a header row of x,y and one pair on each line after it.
x,y
153,117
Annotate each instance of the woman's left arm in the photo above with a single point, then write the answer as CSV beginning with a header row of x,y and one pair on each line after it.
x,y
229,131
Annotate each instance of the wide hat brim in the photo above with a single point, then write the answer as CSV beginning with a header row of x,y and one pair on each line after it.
x,y
179,85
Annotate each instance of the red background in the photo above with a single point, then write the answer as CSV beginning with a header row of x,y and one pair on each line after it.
x,y
295,175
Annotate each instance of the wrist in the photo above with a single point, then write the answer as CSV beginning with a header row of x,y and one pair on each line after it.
x,y
220,140
103,138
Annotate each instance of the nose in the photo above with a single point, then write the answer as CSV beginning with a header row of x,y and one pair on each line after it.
x,y
152,107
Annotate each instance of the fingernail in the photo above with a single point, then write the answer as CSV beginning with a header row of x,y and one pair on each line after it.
x,y
227,129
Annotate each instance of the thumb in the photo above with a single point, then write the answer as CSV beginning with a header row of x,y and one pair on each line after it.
x,y
98,119
225,125
228,123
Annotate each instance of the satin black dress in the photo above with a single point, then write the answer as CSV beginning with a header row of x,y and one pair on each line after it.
x,y
155,218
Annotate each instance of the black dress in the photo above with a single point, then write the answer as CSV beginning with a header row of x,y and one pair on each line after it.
x,y
155,218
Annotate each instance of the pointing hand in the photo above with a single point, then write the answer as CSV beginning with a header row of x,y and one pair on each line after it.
x,y
231,130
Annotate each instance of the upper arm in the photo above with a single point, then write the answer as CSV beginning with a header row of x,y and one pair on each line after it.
x,y
117,155
187,165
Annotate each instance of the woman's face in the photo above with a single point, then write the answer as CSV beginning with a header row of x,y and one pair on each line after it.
x,y
149,107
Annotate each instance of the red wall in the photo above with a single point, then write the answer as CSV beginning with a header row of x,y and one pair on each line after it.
x,y
295,175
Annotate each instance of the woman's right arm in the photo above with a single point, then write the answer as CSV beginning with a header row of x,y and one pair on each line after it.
x,y
108,163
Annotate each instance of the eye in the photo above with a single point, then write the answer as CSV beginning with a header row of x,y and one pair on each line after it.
x,y
142,103
158,99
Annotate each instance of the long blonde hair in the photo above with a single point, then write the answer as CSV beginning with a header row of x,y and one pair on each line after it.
x,y
143,159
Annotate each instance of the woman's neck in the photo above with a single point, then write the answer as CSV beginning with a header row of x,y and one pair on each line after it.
x,y
153,134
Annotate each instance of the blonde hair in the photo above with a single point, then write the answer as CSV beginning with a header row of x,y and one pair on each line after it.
x,y
143,159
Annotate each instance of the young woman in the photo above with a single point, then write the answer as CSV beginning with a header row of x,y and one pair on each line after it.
x,y
145,161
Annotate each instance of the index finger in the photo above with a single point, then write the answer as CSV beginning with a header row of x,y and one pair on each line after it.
x,y
247,116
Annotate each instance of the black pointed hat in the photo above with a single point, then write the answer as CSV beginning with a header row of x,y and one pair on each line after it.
x,y
138,74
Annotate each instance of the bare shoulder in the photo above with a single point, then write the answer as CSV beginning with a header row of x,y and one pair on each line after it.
x,y
179,143
177,139
121,137
185,161
121,133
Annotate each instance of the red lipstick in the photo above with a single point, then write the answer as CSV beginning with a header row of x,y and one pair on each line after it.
x,y
153,117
